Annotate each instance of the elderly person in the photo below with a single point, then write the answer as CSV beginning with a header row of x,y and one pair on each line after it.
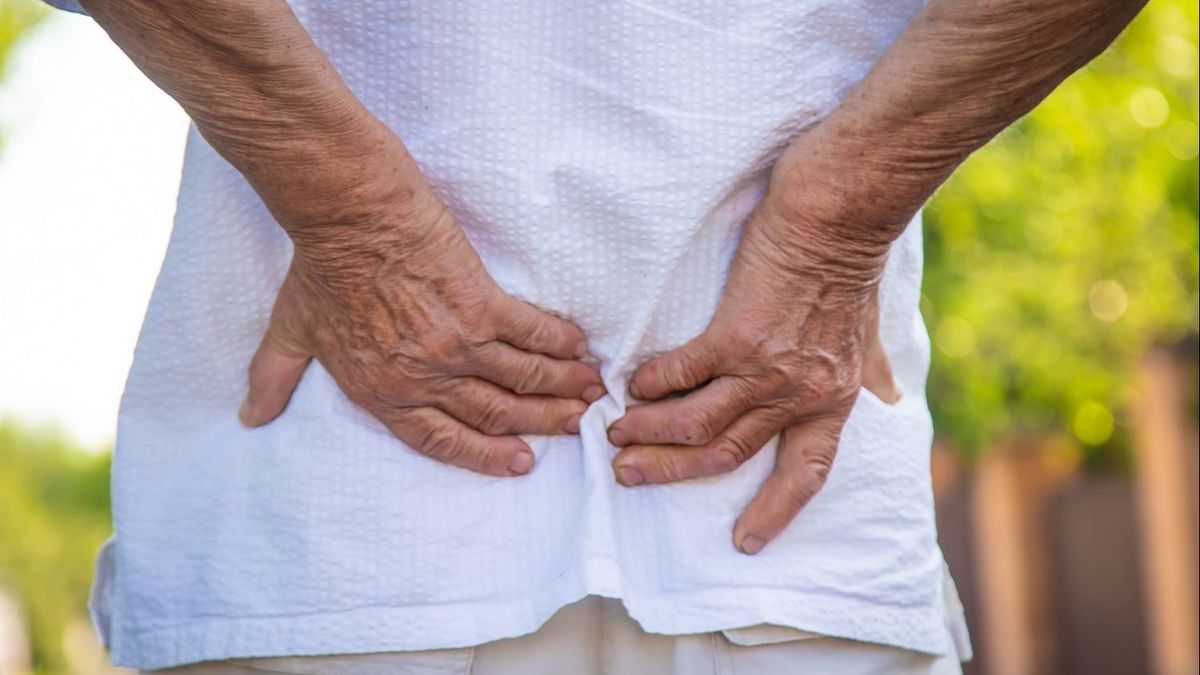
x,y
582,337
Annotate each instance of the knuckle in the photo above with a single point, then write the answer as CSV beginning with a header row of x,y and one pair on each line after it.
x,y
745,390
439,390
484,353
396,386
495,416
475,335
481,457
726,459
678,373
289,330
443,348
777,380
479,325
806,482
745,338
666,467
572,374
529,374
539,333
821,381
819,467
798,491
564,381
443,442
815,387
735,448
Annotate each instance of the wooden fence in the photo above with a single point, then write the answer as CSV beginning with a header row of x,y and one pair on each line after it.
x,y
1065,572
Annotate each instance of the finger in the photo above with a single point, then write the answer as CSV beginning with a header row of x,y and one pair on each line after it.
x,y
678,370
275,372
524,326
802,464
694,419
877,371
653,464
525,373
498,412
439,436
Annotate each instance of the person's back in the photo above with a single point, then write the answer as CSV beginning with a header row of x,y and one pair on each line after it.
x,y
605,161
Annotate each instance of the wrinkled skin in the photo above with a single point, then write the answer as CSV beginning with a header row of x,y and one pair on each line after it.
x,y
794,337
400,310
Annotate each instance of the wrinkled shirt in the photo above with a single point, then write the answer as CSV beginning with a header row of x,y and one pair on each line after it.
x,y
602,158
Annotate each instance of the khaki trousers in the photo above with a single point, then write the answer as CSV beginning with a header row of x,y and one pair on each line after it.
x,y
595,636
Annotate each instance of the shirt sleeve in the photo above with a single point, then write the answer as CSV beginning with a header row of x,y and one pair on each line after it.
x,y
68,5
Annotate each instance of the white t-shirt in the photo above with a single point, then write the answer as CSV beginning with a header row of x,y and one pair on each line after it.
x,y
601,157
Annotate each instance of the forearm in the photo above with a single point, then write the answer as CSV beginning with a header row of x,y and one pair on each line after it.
x,y
264,96
959,74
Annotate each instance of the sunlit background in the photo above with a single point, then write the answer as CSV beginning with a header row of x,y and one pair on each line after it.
x,y
1060,295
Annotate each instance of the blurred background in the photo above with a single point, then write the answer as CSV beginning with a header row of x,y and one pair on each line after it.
x,y
1060,296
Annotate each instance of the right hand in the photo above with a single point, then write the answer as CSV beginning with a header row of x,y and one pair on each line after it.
x,y
401,312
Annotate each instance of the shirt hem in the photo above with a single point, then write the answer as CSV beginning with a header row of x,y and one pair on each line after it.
x,y
441,626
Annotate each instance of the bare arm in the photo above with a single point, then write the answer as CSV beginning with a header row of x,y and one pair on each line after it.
x,y
796,331
384,289
261,93
960,73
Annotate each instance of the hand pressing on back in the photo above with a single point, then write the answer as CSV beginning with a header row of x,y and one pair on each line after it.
x,y
384,289
794,337
390,297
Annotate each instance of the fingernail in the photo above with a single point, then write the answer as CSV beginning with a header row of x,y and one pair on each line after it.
x,y
617,437
581,349
629,476
634,389
572,424
246,413
751,544
521,464
593,393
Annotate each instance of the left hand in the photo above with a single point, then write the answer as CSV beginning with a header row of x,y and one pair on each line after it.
x,y
794,337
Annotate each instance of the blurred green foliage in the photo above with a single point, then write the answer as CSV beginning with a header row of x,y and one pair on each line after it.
x,y
54,498
54,515
16,16
1060,252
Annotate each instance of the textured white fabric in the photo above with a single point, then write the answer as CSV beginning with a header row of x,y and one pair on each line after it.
x,y
602,157
596,636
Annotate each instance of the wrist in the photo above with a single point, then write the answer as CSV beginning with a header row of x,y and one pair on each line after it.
x,y
344,183
813,254
829,176
377,224
821,210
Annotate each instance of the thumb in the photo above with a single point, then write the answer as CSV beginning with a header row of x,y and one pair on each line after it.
x,y
275,371
877,373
